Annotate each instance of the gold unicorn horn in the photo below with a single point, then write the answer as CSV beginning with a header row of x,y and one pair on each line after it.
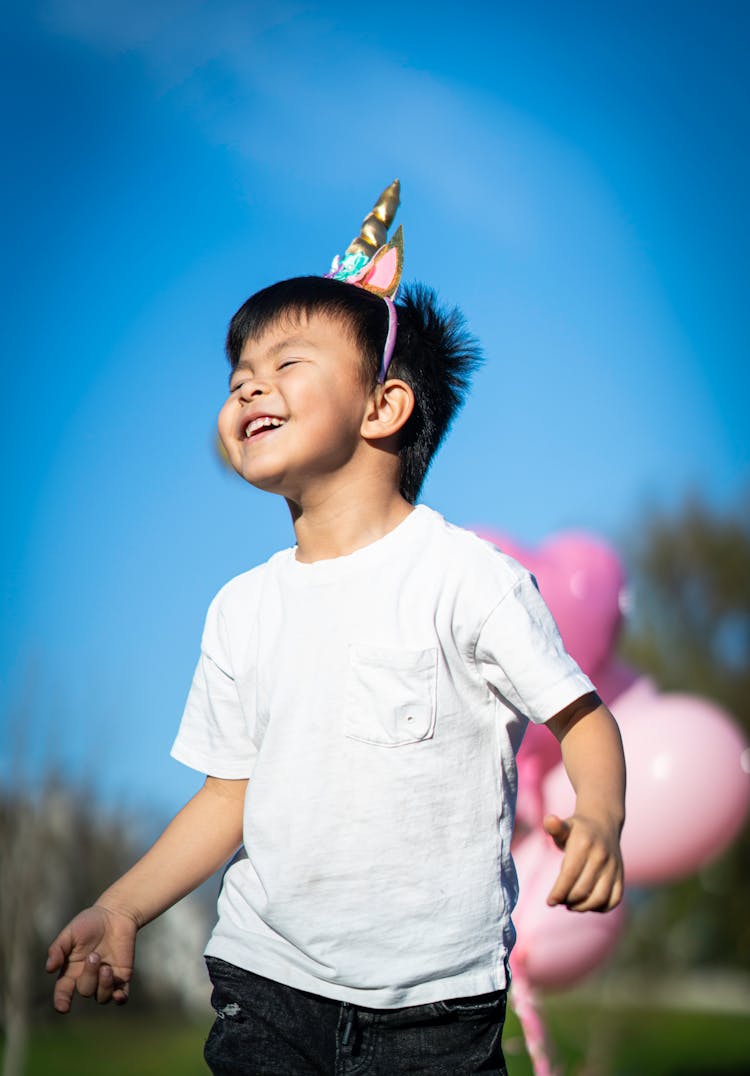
x,y
374,230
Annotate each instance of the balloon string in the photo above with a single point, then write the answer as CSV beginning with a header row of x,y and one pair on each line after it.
x,y
526,1008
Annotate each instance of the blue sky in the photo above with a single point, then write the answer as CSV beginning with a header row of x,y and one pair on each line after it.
x,y
574,177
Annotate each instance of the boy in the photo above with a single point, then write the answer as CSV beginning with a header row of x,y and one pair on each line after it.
x,y
373,684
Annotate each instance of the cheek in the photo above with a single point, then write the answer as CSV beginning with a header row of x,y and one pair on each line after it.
x,y
225,422
335,420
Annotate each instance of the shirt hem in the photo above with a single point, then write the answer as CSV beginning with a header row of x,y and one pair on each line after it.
x,y
231,771
555,699
456,986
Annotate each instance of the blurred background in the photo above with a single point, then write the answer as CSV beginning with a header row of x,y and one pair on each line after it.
x,y
574,177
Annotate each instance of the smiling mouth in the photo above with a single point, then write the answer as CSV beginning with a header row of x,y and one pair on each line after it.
x,y
262,425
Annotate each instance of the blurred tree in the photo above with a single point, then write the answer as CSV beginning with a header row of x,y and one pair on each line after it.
x,y
690,630
59,848
691,613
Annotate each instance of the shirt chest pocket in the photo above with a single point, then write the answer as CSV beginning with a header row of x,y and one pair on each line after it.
x,y
391,695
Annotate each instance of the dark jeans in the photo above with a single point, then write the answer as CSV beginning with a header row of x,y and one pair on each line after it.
x,y
263,1028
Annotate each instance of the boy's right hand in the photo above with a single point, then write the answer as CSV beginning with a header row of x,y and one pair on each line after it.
x,y
93,955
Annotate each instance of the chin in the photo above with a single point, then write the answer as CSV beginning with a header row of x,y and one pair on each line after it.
x,y
267,483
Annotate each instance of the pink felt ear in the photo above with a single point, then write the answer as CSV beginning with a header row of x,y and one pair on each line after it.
x,y
383,275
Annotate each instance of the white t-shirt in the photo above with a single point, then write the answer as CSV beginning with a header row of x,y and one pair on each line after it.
x,y
376,702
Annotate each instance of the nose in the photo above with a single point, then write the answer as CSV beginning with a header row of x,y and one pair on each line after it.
x,y
253,387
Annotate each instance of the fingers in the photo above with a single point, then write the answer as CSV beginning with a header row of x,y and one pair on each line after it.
x,y
62,995
586,871
89,978
93,957
57,960
558,829
60,949
87,983
105,985
590,877
594,894
55,957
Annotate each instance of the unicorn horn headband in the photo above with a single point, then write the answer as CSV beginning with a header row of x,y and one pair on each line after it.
x,y
371,263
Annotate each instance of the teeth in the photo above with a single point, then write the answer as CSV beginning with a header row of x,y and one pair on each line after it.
x,y
261,423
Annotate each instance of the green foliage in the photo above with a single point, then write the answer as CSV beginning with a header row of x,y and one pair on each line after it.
x,y
644,1040
690,630
118,1042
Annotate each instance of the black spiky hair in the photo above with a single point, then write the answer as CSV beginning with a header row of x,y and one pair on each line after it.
x,y
435,354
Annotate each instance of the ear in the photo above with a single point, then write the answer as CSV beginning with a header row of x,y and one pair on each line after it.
x,y
389,409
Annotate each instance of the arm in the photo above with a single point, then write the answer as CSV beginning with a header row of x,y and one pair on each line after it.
x,y
591,875
94,953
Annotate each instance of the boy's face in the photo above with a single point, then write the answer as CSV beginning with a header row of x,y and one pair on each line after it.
x,y
295,408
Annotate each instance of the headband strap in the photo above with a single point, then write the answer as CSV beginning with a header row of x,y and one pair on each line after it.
x,y
390,340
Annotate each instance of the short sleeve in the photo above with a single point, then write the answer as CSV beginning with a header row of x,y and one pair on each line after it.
x,y
213,736
520,653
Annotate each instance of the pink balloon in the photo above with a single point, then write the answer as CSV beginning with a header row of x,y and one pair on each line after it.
x,y
688,791
582,580
614,678
538,754
558,794
556,947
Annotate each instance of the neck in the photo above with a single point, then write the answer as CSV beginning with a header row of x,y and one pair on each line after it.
x,y
336,526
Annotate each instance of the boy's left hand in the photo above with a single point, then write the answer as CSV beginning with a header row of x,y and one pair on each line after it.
x,y
591,875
